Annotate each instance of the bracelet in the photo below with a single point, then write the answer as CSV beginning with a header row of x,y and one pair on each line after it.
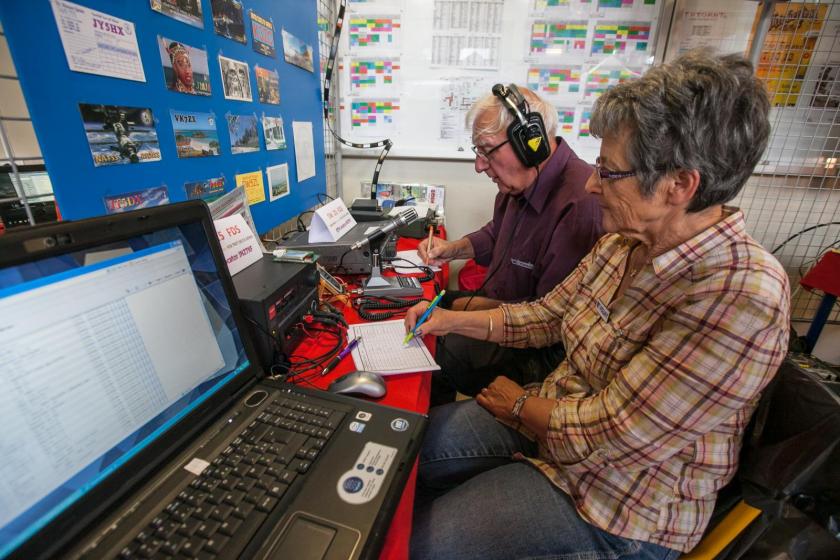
x,y
490,326
518,404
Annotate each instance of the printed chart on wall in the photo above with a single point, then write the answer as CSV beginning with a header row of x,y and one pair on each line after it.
x,y
410,71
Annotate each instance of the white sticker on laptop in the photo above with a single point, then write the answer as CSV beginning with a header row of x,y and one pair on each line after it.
x,y
363,416
357,427
365,479
196,466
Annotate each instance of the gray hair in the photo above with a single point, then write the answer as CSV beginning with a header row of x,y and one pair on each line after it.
x,y
701,112
498,117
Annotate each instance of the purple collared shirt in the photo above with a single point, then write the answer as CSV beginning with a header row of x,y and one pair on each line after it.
x,y
536,239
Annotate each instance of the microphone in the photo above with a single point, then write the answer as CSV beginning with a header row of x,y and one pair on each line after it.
x,y
403,219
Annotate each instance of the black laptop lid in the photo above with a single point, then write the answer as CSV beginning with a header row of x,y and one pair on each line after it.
x,y
117,335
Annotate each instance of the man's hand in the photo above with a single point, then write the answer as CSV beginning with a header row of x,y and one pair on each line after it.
x,y
498,398
440,251
439,323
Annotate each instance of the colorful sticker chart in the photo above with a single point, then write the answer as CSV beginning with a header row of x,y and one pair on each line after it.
x,y
619,38
558,37
554,80
372,113
566,118
600,80
585,117
372,73
543,4
367,32
615,4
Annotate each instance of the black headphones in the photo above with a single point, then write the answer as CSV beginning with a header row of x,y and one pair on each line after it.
x,y
527,132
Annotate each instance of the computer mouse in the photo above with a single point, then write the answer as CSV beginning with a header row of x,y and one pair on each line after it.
x,y
365,383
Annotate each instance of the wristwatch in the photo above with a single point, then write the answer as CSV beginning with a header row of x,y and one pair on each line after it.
x,y
517,406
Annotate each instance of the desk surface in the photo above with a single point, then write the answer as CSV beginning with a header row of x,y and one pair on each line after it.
x,y
408,391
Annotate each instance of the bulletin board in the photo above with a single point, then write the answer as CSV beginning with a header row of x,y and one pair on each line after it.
x,y
411,70
136,138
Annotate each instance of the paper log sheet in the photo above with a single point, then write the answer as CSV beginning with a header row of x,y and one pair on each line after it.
x,y
381,349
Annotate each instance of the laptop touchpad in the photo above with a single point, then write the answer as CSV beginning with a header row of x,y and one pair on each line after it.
x,y
305,540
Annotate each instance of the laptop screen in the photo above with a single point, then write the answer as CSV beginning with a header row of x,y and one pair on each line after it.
x,y
102,351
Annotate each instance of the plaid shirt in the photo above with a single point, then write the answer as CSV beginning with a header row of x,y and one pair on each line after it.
x,y
658,385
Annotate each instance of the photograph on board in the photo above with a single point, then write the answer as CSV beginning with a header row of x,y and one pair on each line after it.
x,y
187,11
147,198
235,79
278,181
275,137
243,133
262,34
296,51
229,19
185,68
268,85
208,190
118,134
195,134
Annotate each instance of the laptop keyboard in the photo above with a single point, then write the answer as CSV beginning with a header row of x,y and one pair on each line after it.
x,y
221,509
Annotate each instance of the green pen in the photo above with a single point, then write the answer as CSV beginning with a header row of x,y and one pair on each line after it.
x,y
423,317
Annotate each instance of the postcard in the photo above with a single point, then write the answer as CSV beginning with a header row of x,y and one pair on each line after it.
x,y
268,85
117,134
262,32
275,137
278,181
186,11
235,79
229,19
185,68
195,134
296,51
154,196
208,190
252,183
243,133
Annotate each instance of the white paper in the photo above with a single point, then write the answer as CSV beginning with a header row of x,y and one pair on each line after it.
x,y
711,23
97,43
412,256
381,349
330,222
304,149
239,244
231,203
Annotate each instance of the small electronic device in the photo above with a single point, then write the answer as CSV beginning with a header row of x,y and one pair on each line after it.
x,y
366,210
339,256
366,383
274,296
330,282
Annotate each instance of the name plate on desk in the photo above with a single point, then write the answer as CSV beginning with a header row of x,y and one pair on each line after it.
x,y
239,244
330,222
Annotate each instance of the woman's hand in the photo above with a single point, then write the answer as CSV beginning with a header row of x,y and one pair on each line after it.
x,y
498,398
438,323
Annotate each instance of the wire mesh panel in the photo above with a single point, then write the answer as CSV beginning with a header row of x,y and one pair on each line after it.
x,y
792,202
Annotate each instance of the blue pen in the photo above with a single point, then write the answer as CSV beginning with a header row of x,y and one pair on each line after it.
x,y
423,317
341,355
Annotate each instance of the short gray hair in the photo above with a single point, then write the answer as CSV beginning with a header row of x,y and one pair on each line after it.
x,y
701,112
501,117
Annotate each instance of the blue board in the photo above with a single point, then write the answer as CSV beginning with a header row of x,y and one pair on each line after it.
x,y
53,93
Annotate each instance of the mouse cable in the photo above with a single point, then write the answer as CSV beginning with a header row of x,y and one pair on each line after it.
x,y
328,71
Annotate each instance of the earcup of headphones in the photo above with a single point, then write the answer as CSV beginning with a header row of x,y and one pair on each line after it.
x,y
530,141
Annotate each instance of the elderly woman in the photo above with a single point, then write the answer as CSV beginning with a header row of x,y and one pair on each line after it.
x,y
673,325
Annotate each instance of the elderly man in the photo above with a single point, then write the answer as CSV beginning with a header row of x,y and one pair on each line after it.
x,y
543,224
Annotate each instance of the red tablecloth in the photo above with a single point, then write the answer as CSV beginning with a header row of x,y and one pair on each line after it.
x,y
409,391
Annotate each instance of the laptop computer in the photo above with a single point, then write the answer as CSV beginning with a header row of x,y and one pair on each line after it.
x,y
136,422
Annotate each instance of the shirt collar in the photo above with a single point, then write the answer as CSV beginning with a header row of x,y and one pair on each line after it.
x,y
675,260
537,194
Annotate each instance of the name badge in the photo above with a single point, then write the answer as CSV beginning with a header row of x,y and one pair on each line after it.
x,y
602,310
523,264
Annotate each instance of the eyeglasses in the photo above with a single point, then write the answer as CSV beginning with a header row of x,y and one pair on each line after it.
x,y
486,155
611,175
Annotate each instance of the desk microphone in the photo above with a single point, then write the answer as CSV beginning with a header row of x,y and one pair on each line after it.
x,y
405,218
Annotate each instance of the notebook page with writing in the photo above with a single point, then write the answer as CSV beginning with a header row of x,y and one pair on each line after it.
x,y
381,349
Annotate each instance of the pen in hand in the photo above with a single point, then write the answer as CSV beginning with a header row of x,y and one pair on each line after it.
x,y
429,243
423,317
341,355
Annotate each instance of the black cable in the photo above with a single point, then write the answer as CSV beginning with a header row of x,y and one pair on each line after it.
x,y
806,230
320,194
428,273
386,143
388,305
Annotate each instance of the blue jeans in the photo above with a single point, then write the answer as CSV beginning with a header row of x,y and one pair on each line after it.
x,y
474,501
